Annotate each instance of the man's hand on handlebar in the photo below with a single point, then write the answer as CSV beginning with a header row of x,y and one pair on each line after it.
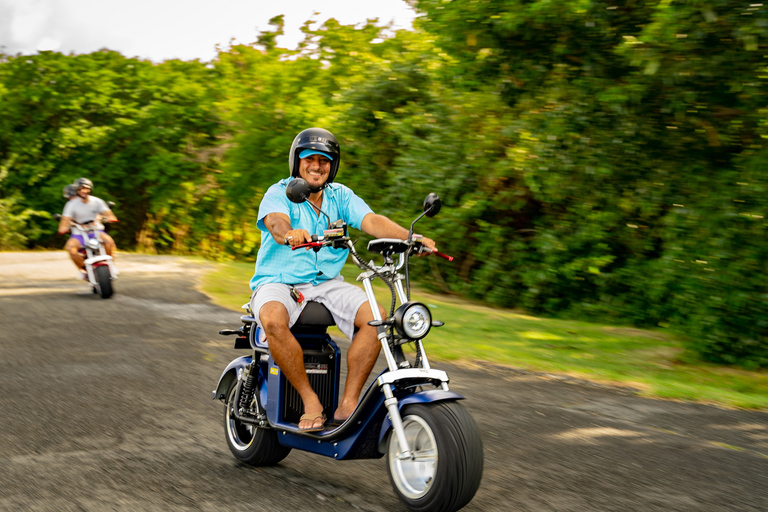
x,y
427,243
296,237
428,247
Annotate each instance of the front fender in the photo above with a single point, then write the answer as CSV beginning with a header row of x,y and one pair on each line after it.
x,y
422,397
96,259
228,375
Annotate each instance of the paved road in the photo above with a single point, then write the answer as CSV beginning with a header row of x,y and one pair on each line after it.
x,y
105,405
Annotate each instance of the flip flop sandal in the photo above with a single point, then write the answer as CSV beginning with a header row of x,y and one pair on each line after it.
x,y
313,419
336,423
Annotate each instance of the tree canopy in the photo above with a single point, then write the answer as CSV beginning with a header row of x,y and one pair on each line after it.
x,y
595,158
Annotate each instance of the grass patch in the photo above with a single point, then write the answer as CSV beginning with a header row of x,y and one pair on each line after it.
x,y
227,285
648,360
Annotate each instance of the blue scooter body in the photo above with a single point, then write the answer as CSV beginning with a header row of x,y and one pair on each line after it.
x,y
361,437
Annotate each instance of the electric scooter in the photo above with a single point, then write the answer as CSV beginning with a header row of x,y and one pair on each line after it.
x,y
408,414
100,268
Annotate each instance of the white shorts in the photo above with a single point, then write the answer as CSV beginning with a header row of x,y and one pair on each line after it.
x,y
342,299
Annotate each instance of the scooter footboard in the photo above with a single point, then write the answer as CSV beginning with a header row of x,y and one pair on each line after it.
x,y
421,397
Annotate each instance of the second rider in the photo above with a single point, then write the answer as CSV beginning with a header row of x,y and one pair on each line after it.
x,y
82,208
284,280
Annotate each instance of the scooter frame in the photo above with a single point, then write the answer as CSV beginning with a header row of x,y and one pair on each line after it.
x,y
92,258
365,433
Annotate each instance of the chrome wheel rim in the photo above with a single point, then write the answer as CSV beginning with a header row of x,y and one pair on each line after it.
x,y
414,476
240,434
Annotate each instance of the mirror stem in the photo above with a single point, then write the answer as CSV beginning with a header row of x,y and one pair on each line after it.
x,y
410,231
319,210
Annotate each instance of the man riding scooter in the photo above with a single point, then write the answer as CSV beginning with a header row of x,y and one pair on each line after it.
x,y
85,209
284,281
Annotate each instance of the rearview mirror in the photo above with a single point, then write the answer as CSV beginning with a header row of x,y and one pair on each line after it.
x,y
297,190
432,205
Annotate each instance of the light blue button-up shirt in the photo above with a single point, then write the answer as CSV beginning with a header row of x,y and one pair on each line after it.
x,y
277,263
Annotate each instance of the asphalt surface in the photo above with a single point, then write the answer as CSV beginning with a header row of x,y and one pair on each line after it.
x,y
105,405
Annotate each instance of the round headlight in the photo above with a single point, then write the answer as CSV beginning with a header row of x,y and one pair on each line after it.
x,y
93,243
413,320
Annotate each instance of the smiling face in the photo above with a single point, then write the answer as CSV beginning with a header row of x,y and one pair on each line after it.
x,y
83,192
315,169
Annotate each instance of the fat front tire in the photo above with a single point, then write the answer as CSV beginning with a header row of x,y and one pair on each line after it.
x,y
249,444
447,466
104,279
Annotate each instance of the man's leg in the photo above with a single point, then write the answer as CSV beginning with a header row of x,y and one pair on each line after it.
x,y
109,245
287,353
73,248
361,358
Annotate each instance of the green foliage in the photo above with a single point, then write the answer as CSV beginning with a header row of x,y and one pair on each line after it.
x,y
595,159
138,130
13,221
638,129
14,218
645,359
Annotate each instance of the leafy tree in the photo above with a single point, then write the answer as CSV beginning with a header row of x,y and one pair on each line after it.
x,y
136,129
634,125
595,158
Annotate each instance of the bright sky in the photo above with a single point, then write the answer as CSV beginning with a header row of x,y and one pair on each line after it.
x,y
173,29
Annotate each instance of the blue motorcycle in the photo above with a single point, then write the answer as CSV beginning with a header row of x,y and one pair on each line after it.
x,y
408,414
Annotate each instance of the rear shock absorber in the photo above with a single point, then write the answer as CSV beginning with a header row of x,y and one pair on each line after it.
x,y
246,395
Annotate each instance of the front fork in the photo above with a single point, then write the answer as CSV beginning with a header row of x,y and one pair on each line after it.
x,y
397,423
91,275
390,401
105,258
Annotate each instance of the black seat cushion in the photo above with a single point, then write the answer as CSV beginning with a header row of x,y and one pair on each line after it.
x,y
315,314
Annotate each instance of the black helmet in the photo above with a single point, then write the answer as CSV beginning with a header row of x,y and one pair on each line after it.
x,y
83,182
320,140
69,191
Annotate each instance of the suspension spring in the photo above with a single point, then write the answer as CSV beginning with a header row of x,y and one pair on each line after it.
x,y
246,396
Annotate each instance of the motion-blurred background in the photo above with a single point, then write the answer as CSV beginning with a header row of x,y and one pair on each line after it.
x,y
596,159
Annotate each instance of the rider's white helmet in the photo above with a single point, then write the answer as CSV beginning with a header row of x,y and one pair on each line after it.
x,y
83,182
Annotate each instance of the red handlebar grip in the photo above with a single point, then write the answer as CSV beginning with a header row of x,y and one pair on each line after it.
x,y
308,244
449,258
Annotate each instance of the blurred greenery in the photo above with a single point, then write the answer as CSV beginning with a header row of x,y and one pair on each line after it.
x,y
597,160
650,361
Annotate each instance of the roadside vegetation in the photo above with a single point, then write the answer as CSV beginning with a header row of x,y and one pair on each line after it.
x,y
651,361
597,160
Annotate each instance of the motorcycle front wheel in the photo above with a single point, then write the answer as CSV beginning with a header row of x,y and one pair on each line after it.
x,y
104,280
446,466
250,444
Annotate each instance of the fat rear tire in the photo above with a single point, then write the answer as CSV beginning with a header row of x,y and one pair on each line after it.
x,y
104,280
249,444
448,463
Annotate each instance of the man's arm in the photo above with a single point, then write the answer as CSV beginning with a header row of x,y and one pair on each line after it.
x,y
108,216
279,226
64,224
380,226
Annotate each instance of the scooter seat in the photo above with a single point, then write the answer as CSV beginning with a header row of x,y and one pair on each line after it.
x,y
314,319
314,315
